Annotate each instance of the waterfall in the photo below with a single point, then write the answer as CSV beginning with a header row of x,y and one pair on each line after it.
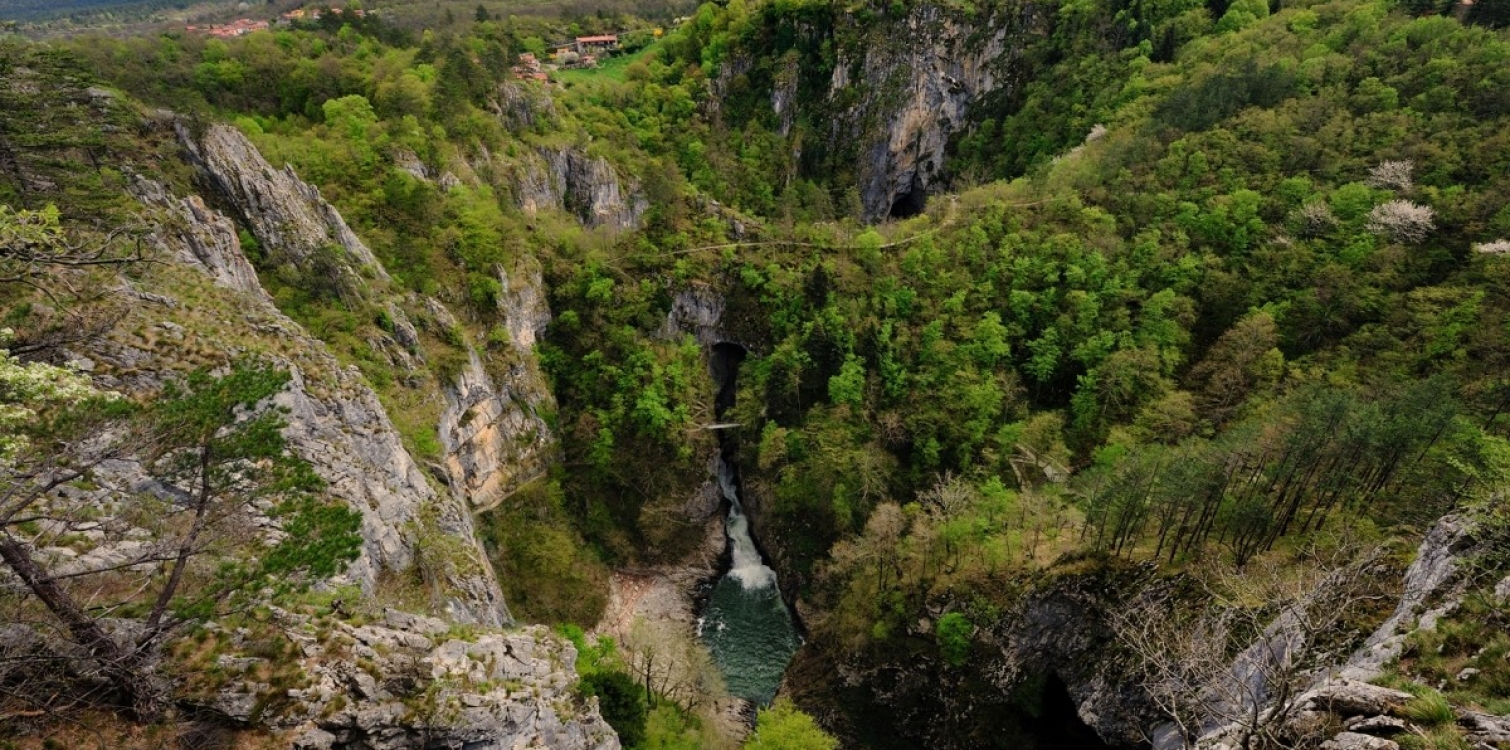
x,y
746,624
746,567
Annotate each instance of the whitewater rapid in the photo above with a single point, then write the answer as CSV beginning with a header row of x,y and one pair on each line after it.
x,y
747,626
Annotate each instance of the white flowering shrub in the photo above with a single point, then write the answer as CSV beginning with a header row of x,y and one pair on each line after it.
x,y
1392,175
1497,247
28,387
1402,221
1314,219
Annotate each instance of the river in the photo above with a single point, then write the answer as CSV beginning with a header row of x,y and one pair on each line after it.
x,y
746,624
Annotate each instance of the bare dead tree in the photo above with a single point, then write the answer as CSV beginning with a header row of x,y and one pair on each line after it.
x,y
1230,655
668,660
35,248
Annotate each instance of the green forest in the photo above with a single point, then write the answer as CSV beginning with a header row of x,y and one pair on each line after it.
x,y
1210,285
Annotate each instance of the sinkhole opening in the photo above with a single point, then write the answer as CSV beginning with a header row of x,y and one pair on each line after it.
x,y
1059,724
910,203
724,361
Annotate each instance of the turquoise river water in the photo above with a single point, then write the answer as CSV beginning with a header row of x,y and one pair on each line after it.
x,y
746,623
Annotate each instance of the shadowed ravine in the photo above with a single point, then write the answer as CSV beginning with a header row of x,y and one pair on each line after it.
x,y
746,623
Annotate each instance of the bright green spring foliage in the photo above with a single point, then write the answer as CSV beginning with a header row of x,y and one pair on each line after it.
x,y
954,633
28,390
784,727
1247,282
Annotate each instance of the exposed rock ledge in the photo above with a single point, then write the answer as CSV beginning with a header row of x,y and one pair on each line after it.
x,y
286,213
412,682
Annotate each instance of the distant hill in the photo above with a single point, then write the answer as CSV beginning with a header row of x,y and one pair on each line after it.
x,y
34,10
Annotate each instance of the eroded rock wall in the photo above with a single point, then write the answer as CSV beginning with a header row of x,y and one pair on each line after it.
x,y
899,87
288,215
410,681
335,421
585,186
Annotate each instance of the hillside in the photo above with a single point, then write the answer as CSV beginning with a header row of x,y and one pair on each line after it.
x,y
1088,376
42,10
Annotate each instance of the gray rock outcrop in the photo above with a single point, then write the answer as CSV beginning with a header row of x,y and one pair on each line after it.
x,y
899,89
494,439
335,422
924,91
1427,581
1355,741
409,163
287,215
493,428
520,106
410,681
698,310
1350,698
585,186
205,238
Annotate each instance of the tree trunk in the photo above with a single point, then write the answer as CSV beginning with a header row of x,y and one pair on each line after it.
x,y
125,669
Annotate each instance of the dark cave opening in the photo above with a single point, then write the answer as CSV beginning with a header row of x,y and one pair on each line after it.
x,y
910,203
724,360
1059,723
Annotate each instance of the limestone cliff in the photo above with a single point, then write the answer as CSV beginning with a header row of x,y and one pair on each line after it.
x,y
894,91
286,214
922,92
408,681
334,419
405,680
587,187
492,428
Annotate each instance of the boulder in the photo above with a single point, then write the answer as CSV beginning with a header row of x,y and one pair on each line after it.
x,y
1351,698
1379,726
1355,741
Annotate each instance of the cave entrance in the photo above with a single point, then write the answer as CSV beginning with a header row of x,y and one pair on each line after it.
x,y
724,359
1058,723
909,203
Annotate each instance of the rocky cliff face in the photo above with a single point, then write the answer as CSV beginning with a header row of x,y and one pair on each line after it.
x,y
286,214
898,89
334,419
585,186
493,428
921,94
405,680
521,106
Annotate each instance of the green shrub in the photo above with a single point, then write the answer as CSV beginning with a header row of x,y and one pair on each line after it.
x,y
621,701
954,631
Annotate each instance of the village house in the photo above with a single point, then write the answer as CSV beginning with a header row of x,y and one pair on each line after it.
x,y
313,14
529,68
597,44
240,27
